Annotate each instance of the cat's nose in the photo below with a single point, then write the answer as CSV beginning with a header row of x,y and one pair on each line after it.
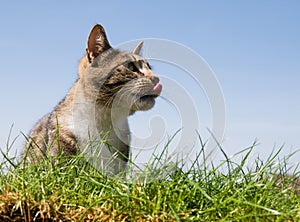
x,y
154,80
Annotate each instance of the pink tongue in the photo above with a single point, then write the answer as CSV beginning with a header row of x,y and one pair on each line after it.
x,y
157,88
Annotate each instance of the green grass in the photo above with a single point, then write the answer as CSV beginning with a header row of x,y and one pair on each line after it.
x,y
69,190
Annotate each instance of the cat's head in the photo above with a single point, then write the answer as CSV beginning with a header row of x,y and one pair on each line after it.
x,y
114,74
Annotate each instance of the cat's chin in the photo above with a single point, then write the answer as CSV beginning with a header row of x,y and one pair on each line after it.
x,y
144,103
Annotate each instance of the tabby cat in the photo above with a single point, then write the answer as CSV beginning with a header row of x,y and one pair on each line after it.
x,y
111,85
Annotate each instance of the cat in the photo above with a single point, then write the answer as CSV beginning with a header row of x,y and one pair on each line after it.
x,y
111,85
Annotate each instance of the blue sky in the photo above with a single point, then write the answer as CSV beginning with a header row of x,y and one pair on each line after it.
x,y
253,48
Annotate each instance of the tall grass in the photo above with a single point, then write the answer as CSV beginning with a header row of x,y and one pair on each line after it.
x,y
72,190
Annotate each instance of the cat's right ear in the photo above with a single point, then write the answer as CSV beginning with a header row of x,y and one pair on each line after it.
x,y
97,43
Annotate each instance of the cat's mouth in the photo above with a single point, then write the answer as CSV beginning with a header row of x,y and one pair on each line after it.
x,y
153,93
146,99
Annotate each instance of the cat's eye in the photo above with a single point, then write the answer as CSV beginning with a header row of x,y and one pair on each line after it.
x,y
149,66
132,67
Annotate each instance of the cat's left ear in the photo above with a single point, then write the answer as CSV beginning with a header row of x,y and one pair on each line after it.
x,y
138,48
97,43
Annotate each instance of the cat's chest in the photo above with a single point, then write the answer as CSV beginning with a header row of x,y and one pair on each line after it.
x,y
90,122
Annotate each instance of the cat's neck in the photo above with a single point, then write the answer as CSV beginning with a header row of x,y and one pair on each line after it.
x,y
89,119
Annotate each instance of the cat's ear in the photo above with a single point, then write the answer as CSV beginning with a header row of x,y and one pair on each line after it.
x,y
97,43
138,48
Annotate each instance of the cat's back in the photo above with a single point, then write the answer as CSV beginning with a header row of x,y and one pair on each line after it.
x,y
37,139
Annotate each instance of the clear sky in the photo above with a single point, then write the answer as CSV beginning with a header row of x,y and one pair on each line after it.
x,y
253,48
